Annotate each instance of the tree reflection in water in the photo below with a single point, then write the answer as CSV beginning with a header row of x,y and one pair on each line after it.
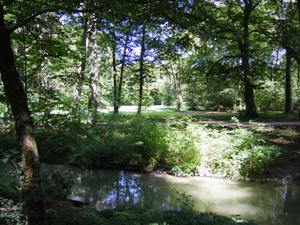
x,y
267,204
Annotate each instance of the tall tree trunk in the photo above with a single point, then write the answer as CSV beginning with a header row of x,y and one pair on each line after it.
x,y
116,107
177,88
142,71
122,72
16,96
288,83
44,83
94,76
82,68
251,110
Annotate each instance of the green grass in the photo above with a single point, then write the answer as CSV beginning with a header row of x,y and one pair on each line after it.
x,y
278,116
167,114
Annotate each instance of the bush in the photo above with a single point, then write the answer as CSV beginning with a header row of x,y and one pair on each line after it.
x,y
11,212
183,156
133,143
236,153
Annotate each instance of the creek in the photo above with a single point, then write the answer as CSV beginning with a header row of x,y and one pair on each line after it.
x,y
264,203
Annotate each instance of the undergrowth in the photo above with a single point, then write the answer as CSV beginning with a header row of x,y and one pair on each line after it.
x,y
180,147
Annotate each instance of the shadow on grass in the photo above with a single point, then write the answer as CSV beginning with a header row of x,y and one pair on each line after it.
x,y
137,216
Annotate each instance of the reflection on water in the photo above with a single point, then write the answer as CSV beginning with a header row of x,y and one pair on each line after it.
x,y
264,203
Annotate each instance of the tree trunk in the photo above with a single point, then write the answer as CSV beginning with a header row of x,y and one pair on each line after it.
x,y
288,83
141,75
177,89
122,72
245,56
82,68
116,107
94,76
16,96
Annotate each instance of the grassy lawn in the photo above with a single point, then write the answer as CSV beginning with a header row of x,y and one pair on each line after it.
x,y
277,116
163,114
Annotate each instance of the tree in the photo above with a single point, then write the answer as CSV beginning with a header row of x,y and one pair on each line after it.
x,y
288,84
120,40
21,14
16,96
288,28
94,71
141,69
82,67
234,28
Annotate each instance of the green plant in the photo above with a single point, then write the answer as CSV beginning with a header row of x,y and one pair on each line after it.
x,y
236,153
11,212
183,156
133,143
55,185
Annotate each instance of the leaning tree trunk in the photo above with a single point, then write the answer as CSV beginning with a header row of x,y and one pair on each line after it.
x,y
16,96
288,83
82,67
94,76
142,72
245,56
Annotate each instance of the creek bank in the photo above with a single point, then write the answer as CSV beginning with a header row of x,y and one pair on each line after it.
x,y
202,172
199,172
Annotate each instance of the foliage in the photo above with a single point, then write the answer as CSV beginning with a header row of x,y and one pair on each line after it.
x,y
55,185
11,212
134,144
177,145
270,97
139,216
183,155
237,153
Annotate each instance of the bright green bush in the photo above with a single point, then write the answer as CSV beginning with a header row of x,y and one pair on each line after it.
x,y
183,156
235,153
133,143
138,143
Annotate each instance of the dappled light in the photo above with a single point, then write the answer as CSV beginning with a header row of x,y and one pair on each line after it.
x,y
103,189
149,112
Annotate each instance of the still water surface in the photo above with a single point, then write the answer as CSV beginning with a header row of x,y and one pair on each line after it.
x,y
267,204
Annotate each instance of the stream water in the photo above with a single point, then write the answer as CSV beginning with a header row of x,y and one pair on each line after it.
x,y
267,204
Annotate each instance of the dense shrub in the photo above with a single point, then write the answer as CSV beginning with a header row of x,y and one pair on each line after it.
x,y
136,143
12,214
235,153
270,96
133,143
183,156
